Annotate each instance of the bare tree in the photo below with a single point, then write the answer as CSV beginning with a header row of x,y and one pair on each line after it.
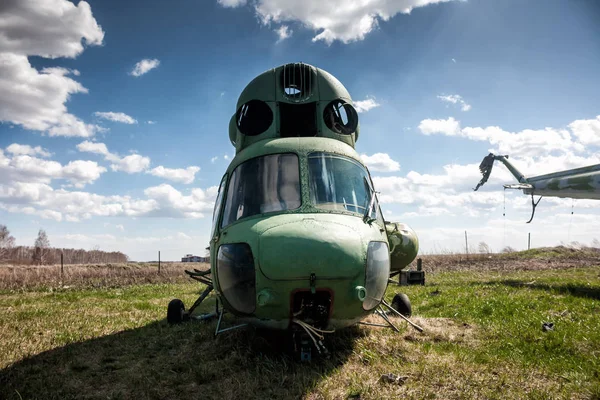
x,y
508,249
41,246
484,248
7,242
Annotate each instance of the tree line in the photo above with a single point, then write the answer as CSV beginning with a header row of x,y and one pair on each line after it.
x,y
42,253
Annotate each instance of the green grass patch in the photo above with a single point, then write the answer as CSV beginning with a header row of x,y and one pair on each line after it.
x,y
483,339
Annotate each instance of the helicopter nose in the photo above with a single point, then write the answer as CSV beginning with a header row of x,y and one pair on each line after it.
x,y
295,250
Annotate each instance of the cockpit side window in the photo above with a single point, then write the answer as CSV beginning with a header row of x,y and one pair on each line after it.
x,y
262,185
340,183
217,209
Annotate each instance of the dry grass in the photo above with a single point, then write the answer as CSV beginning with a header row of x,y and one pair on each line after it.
x,y
86,275
546,258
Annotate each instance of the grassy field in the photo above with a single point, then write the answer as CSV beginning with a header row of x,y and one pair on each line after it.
x,y
483,339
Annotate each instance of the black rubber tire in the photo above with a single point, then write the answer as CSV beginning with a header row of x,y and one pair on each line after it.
x,y
175,311
401,303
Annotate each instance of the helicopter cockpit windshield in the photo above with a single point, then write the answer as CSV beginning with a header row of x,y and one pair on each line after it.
x,y
339,183
262,185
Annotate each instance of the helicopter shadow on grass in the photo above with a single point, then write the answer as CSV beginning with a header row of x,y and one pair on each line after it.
x,y
183,361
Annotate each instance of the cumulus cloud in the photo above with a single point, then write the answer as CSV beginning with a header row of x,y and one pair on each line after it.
x,y
130,164
173,203
31,28
283,32
26,150
536,142
181,175
36,99
449,127
161,201
345,21
455,99
25,168
232,3
365,105
135,163
587,130
116,117
144,66
380,162
93,147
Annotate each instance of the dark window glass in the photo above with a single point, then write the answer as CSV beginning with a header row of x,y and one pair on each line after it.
x,y
339,183
254,117
217,209
237,278
298,119
340,117
262,185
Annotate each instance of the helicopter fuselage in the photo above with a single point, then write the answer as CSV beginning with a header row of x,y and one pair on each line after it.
x,y
292,237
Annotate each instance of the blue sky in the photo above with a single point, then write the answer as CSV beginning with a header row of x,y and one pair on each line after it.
x,y
130,162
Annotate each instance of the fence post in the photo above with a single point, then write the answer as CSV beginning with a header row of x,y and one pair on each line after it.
x,y
159,261
62,268
466,245
529,241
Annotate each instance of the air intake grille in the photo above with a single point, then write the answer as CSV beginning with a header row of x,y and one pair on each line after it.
x,y
297,81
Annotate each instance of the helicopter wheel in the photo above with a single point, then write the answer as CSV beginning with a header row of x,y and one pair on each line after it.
x,y
175,312
401,303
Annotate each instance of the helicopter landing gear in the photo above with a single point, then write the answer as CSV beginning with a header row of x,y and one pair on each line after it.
x,y
401,303
176,312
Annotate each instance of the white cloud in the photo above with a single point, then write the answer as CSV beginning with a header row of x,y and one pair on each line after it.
x,y
232,3
28,169
380,162
365,105
120,227
36,99
161,201
449,127
346,21
215,158
454,60
587,130
116,117
283,32
26,150
173,203
181,175
130,164
144,66
50,29
93,147
455,99
532,142
151,122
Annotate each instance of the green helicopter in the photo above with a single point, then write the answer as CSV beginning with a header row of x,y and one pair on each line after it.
x,y
298,239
